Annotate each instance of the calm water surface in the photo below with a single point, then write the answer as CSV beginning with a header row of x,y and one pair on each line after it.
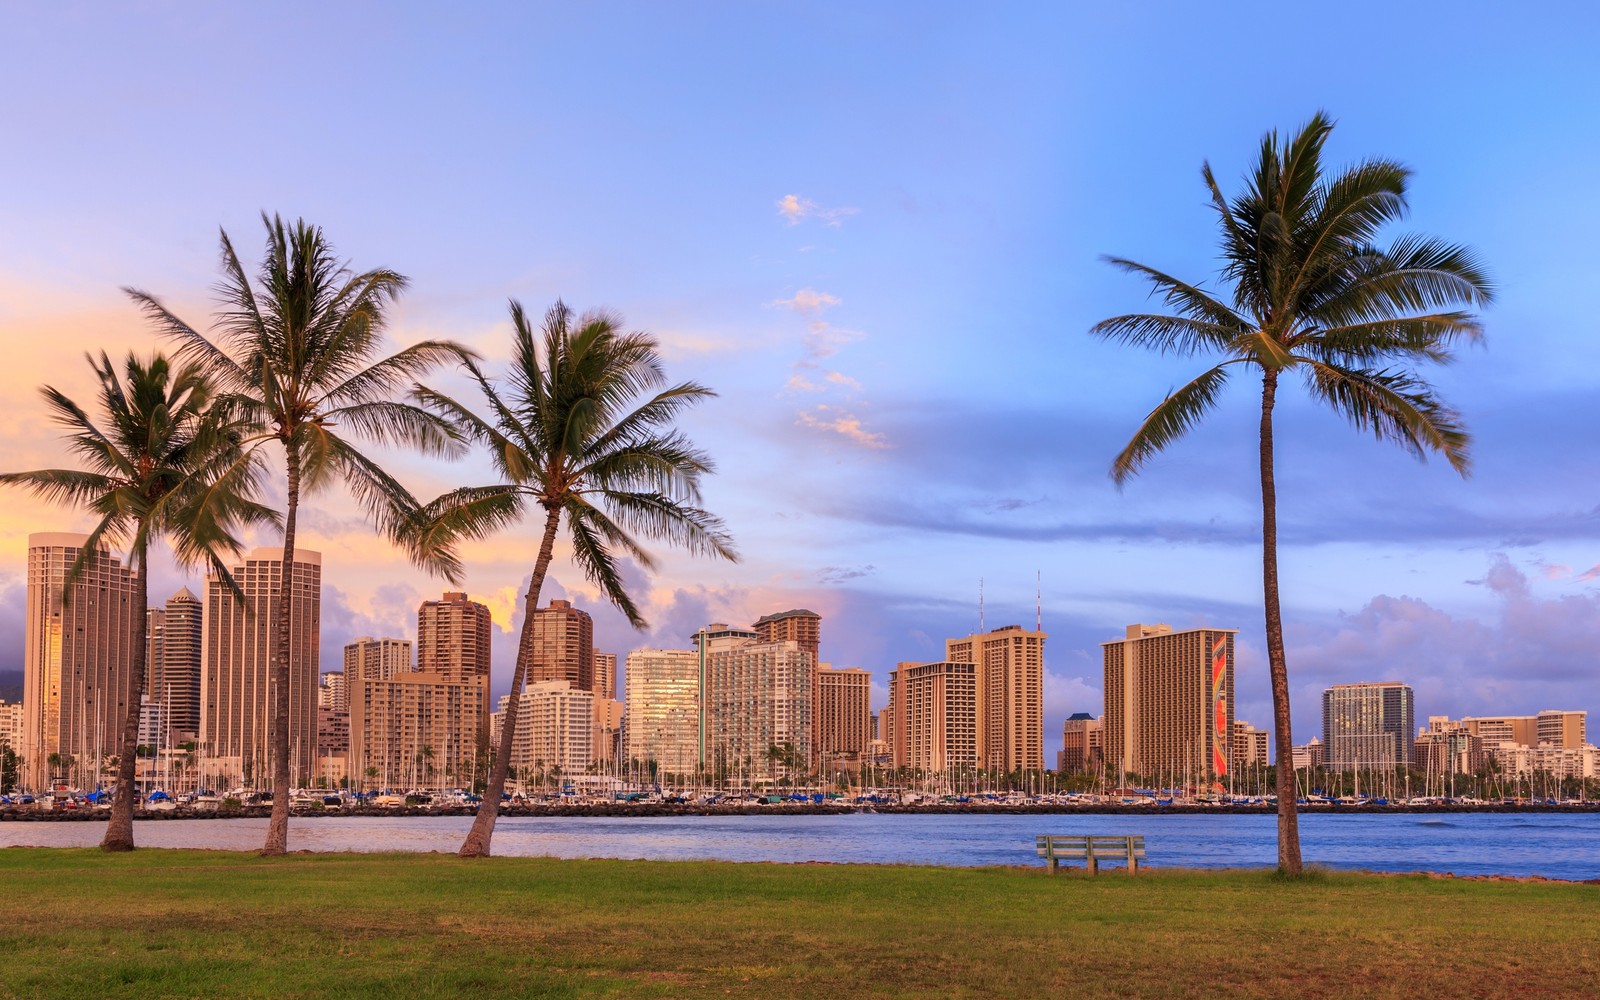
x,y
1556,846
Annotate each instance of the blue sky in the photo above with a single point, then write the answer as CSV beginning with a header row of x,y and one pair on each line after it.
x,y
875,230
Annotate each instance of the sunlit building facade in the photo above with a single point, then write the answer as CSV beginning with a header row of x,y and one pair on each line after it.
x,y
369,659
172,668
555,728
1080,743
757,697
239,639
560,646
1010,679
933,716
844,716
663,708
453,640
77,654
1169,703
1368,726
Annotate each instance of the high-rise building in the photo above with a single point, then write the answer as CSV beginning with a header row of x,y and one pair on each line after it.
x,y
334,694
796,625
844,716
414,729
1562,730
1169,703
369,659
934,716
608,714
756,697
663,709
1010,665
605,675
333,731
560,646
1079,746
1522,730
453,636
77,654
453,639
236,667
1446,747
554,728
11,725
1368,726
424,727
172,666
1249,746
1308,756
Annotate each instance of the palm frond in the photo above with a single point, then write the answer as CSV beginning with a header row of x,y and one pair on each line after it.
x,y
1170,420
396,374
1175,335
1411,337
400,425
594,558
1189,300
663,518
1395,406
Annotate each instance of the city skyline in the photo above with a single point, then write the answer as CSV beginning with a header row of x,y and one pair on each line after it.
x,y
892,298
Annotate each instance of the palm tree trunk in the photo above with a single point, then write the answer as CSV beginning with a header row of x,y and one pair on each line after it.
x,y
278,826
119,831
1288,816
477,842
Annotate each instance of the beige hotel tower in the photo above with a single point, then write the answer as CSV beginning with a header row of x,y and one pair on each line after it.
x,y
1010,679
1169,703
238,643
77,653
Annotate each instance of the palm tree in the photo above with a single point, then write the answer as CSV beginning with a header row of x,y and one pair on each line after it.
x,y
296,353
1312,293
160,461
566,435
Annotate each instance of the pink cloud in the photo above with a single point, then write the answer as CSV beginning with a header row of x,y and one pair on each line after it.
x,y
848,425
796,209
807,300
1523,656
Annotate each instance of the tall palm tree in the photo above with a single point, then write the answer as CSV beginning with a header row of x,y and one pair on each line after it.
x,y
1312,294
570,435
160,461
296,352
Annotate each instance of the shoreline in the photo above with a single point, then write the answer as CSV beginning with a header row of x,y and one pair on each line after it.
x,y
623,811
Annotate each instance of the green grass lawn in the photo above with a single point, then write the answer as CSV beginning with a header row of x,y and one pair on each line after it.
x,y
207,924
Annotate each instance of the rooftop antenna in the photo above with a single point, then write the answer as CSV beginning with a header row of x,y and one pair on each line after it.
x,y
1038,593
980,605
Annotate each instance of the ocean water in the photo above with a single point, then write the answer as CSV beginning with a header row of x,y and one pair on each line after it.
x,y
1554,845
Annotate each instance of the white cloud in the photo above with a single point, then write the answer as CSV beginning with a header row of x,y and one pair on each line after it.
x,y
807,300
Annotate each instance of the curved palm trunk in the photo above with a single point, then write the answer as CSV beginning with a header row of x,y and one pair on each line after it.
x,y
119,830
477,842
278,827
1277,663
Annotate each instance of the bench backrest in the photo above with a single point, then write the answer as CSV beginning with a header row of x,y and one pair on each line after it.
x,y
1078,844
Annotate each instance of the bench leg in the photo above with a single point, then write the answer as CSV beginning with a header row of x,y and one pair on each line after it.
x,y
1133,862
1092,861
1055,864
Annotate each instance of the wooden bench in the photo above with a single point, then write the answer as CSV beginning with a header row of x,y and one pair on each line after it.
x,y
1091,850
